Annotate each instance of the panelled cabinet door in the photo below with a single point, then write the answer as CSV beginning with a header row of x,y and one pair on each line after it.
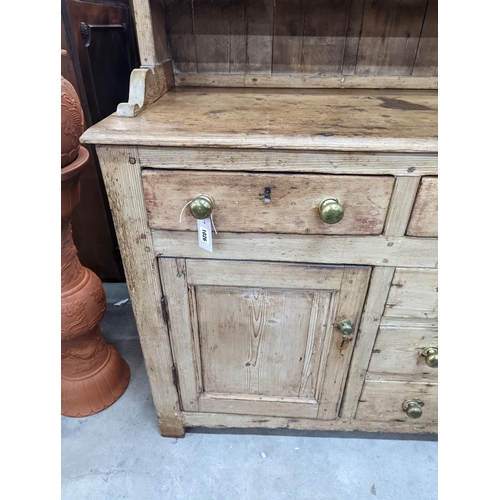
x,y
260,338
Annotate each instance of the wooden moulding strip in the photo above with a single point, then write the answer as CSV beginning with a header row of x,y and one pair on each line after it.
x,y
305,81
319,249
224,420
253,160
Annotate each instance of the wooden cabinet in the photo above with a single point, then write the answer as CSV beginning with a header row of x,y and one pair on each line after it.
x,y
258,338
296,319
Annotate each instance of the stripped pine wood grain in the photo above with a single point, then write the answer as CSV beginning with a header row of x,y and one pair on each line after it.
x,y
242,205
383,400
356,250
306,81
324,36
356,8
180,35
351,299
259,40
220,420
288,36
151,32
264,275
426,61
212,30
292,36
424,218
428,323
284,407
174,281
237,37
380,282
266,348
389,36
256,343
366,121
121,174
403,197
289,161
398,350
414,294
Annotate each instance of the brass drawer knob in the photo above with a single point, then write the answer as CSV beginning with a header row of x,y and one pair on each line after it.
x,y
431,356
201,207
413,408
346,327
331,211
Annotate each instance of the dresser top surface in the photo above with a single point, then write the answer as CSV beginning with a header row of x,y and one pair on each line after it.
x,y
331,120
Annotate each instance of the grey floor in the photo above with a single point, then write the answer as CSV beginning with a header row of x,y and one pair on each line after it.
x,y
119,453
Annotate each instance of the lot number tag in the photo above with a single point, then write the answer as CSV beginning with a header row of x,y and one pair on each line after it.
x,y
205,234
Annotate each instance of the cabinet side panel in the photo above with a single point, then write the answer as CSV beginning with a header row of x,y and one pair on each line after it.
x,y
121,174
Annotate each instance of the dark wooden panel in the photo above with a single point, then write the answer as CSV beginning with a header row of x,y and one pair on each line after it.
x,y
100,73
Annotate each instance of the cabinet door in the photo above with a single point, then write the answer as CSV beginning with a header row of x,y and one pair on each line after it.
x,y
260,338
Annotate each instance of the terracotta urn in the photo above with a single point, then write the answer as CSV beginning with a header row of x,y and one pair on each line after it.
x,y
93,375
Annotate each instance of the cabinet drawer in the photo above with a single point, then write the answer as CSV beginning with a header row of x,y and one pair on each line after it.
x,y
383,400
399,350
263,203
424,217
413,294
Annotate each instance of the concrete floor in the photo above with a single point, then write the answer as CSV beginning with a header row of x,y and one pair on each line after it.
x,y
119,453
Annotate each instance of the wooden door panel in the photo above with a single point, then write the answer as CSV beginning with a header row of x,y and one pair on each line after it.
x,y
262,341
261,338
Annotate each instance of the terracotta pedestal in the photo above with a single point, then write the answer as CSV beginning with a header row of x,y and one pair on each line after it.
x,y
93,374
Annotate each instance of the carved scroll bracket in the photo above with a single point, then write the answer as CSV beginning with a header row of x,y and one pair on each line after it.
x,y
147,85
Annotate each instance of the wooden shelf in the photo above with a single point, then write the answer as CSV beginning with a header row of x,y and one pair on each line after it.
x,y
301,119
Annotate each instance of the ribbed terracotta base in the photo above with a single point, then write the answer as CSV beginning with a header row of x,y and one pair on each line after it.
x,y
93,375
81,397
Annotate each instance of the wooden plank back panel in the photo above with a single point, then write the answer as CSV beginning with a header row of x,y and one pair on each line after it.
x,y
212,30
338,37
389,36
426,62
291,205
180,35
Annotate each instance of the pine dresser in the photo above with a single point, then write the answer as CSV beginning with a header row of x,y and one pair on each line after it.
x,y
273,185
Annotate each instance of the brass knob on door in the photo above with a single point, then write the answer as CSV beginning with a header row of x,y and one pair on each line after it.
x,y
331,211
201,207
346,327
431,356
413,408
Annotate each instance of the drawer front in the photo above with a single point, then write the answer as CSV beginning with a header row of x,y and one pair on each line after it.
x,y
413,294
424,217
383,400
400,351
267,203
